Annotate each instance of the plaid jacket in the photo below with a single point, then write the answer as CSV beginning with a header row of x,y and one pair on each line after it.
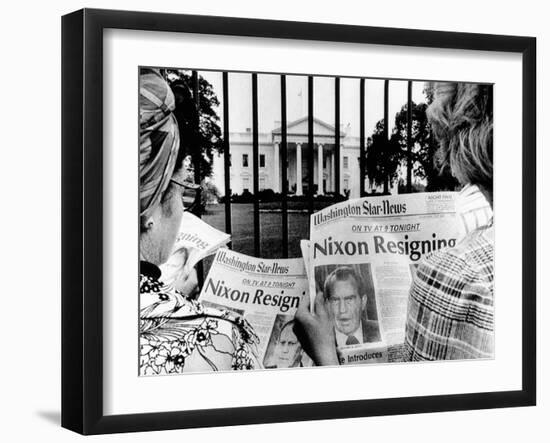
x,y
450,312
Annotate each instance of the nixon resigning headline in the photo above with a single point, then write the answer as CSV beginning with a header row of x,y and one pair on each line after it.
x,y
378,244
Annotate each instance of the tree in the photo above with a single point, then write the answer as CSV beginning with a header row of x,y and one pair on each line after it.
x,y
200,132
424,148
382,157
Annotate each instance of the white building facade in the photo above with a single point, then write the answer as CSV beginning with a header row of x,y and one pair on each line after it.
x,y
270,163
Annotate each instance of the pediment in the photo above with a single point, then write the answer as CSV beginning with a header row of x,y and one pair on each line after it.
x,y
300,127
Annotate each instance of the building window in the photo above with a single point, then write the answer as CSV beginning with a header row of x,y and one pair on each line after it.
x,y
245,160
262,183
346,183
346,162
262,160
246,183
324,162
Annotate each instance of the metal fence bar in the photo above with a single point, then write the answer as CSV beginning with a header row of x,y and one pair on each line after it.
x,y
196,149
283,164
226,153
386,125
310,153
337,135
409,136
196,156
255,164
362,152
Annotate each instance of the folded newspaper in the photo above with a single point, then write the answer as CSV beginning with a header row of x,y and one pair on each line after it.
x,y
266,292
195,241
362,257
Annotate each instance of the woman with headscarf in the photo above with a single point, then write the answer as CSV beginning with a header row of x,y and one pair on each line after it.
x,y
177,333
450,306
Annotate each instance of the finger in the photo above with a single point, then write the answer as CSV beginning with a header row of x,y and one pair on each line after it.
x,y
304,318
298,330
181,254
302,313
304,303
320,308
302,336
184,253
190,283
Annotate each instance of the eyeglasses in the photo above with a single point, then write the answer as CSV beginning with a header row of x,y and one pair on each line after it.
x,y
191,195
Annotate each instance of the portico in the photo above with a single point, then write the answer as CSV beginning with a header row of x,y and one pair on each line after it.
x,y
271,166
324,177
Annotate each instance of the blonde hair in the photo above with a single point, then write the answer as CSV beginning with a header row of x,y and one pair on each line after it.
x,y
461,117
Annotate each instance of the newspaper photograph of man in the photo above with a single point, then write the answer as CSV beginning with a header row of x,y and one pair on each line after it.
x,y
284,349
289,220
346,298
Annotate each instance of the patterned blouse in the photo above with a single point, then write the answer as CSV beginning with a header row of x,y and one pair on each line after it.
x,y
450,313
178,334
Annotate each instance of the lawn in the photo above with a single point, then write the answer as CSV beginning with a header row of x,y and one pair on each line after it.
x,y
271,245
242,224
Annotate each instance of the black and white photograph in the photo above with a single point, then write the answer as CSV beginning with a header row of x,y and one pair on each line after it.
x,y
348,294
267,221
264,186
389,182
283,349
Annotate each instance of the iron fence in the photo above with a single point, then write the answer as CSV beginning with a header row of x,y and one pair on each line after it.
x,y
284,148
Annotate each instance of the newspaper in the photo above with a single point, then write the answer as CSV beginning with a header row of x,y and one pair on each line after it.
x,y
266,292
195,241
304,247
362,257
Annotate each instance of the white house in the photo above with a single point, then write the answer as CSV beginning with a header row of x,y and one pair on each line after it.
x,y
270,164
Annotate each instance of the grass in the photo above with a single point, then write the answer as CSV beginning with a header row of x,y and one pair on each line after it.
x,y
271,244
271,231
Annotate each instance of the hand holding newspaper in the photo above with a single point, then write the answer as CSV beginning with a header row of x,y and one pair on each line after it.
x,y
360,259
362,256
267,293
195,241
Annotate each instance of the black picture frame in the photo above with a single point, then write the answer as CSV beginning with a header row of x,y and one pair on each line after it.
x,y
82,220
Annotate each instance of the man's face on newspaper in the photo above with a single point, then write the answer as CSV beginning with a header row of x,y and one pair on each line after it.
x,y
345,306
288,349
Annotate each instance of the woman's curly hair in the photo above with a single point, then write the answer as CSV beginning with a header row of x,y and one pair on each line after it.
x,y
461,117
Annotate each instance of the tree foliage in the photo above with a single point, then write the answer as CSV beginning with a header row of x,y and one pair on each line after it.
x,y
424,149
384,157
200,132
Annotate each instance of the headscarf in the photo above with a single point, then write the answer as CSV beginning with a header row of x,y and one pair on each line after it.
x,y
159,139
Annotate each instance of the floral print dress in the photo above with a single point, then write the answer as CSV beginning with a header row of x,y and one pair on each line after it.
x,y
178,334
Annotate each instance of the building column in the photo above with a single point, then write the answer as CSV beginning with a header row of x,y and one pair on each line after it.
x,y
341,168
332,175
329,182
320,190
276,175
299,169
